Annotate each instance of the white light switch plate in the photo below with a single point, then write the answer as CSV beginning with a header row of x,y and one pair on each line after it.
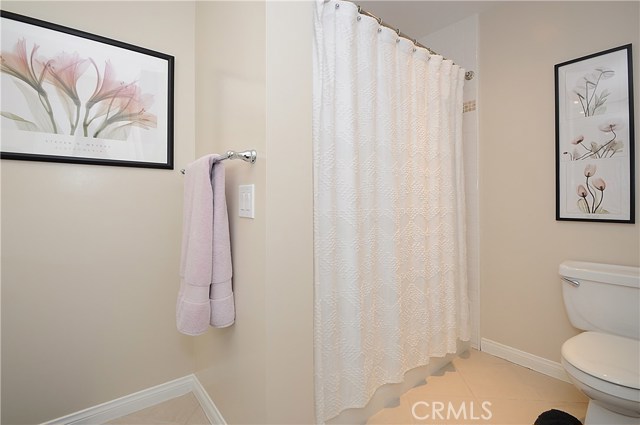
x,y
245,201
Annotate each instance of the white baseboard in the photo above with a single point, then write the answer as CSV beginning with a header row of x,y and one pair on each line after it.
x,y
122,406
114,409
210,409
522,358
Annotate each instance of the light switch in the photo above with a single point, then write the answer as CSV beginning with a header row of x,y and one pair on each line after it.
x,y
245,201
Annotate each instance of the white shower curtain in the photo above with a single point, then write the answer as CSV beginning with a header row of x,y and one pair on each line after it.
x,y
389,221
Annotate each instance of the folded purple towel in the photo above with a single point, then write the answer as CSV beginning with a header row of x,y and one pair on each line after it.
x,y
205,266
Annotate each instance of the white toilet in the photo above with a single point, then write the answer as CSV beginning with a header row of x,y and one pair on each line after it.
x,y
604,361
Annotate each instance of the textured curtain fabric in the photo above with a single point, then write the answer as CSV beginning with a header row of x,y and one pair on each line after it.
x,y
389,224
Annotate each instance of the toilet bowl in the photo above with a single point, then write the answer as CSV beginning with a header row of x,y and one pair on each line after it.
x,y
606,368
604,361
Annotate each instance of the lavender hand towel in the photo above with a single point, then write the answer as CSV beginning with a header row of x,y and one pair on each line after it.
x,y
193,310
221,294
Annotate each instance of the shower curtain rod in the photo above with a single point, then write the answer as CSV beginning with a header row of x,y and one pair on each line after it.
x,y
468,75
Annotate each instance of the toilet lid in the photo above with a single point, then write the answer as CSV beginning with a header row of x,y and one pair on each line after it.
x,y
608,357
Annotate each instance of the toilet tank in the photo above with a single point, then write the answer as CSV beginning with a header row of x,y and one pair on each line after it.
x,y
602,297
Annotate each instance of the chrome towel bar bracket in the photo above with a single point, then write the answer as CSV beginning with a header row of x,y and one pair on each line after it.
x,y
247,156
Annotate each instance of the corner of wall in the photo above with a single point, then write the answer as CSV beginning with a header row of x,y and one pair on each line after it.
x,y
521,242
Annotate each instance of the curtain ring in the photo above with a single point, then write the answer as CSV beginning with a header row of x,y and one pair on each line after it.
x,y
337,6
358,18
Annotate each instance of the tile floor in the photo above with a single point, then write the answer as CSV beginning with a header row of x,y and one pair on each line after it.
x,y
183,410
517,395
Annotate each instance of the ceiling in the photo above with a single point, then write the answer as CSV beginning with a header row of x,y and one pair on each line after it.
x,y
419,18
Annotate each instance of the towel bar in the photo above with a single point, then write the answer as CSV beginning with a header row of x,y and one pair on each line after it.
x,y
247,156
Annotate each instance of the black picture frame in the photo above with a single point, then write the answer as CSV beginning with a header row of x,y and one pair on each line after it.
x,y
75,97
595,137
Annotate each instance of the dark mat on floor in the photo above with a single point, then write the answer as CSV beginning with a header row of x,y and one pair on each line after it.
x,y
556,417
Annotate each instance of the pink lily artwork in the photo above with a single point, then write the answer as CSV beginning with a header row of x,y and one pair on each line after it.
x,y
595,137
70,96
109,112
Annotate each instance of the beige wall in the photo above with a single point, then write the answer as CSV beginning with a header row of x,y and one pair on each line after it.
x,y
90,254
231,114
88,294
254,91
289,199
521,243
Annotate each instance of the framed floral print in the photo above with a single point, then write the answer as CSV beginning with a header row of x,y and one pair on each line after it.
x,y
595,137
71,96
